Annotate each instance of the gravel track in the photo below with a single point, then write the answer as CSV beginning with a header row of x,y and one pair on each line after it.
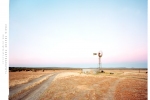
x,y
111,91
16,89
33,93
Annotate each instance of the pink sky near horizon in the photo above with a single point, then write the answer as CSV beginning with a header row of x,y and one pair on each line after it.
x,y
63,58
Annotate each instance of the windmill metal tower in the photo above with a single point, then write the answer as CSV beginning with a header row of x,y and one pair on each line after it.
x,y
100,54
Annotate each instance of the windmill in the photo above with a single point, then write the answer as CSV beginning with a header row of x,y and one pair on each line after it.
x,y
100,54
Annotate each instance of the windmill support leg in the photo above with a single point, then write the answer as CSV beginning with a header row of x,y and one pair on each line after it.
x,y
99,64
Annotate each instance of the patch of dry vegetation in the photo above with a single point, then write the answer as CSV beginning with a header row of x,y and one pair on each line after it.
x,y
82,87
16,78
74,85
134,89
68,86
134,75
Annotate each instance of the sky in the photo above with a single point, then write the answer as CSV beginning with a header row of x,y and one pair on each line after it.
x,y
66,33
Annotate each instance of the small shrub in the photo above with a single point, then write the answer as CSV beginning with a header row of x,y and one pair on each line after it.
x,y
111,73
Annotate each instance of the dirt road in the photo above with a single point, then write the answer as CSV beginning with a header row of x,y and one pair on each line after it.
x,y
16,93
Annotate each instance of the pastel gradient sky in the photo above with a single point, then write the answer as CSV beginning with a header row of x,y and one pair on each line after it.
x,y
66,33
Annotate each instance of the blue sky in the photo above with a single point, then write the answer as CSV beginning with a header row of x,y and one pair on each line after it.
x,y
66,33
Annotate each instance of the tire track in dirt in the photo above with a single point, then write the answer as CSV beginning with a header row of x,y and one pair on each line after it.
x,y
35,93
111,92
16,89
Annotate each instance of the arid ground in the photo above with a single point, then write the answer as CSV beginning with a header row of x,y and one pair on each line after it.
x,y
75,85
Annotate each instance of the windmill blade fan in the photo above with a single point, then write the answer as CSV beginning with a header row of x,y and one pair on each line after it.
x,y
100,54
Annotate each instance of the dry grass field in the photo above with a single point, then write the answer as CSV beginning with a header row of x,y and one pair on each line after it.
x,y
75,85
123,84
16,78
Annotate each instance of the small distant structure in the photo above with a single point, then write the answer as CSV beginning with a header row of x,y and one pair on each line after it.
x,y
95,70
100,54
90,71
